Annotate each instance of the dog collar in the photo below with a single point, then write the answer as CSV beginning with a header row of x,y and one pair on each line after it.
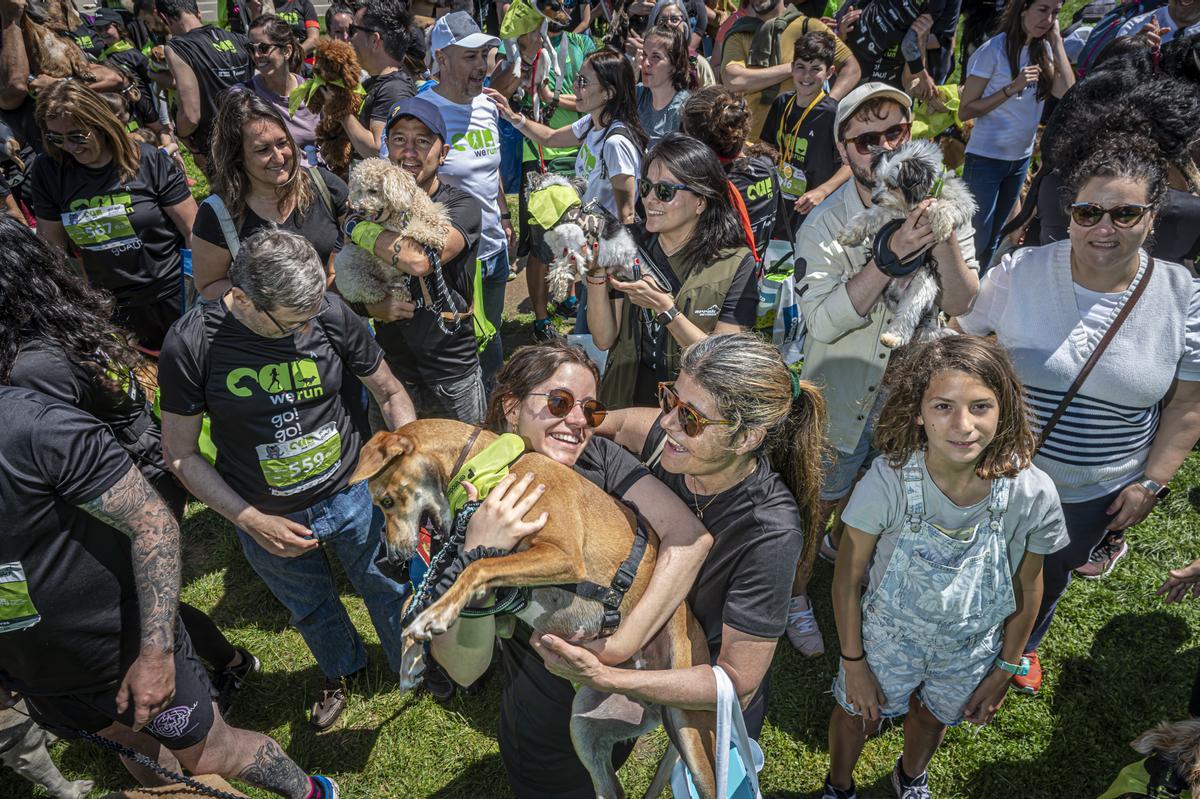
x,y
938,185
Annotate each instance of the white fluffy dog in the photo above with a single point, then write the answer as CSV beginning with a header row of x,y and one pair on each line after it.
x,y
382,192
571,241
903,178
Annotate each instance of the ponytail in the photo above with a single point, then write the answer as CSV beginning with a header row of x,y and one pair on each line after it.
x,y
795,453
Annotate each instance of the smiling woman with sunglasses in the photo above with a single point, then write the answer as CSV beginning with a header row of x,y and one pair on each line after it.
x,y
277,59
123,206
1121,438
547,395
697,275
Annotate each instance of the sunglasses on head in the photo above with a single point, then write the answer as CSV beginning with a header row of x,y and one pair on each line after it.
x,y
78,139
691,420
1090,214
863,142
559,402
665,192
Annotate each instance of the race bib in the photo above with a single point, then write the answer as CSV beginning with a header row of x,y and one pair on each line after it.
x,y
101,228
299,463
792,181
16,608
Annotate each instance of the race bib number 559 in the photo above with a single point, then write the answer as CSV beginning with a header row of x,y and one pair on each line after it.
x,y
299,463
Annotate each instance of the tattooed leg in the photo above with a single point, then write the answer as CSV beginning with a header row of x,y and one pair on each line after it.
x,y
248,756
274,771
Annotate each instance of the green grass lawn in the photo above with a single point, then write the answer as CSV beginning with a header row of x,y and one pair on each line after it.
x,y
1117,661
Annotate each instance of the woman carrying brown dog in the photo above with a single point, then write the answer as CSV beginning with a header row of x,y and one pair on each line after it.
x,y
258,181
734,408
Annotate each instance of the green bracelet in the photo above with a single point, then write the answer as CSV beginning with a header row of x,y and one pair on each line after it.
x,y
365,234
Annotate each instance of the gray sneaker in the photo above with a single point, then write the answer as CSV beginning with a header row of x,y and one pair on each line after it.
x,y
910,789
837,793
802,628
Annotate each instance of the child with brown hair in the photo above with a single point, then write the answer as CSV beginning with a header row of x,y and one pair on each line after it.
x,y
953,521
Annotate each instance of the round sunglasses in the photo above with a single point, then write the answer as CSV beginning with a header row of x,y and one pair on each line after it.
x,y
691,420
559,402
1123,216
665,192
865,141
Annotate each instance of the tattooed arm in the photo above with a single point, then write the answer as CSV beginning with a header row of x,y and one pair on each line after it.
x,y
132,506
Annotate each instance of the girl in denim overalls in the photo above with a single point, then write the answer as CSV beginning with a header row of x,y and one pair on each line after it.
x,y
953,522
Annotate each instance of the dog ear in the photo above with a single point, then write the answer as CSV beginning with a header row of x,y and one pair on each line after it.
x,y
376,454
914,181
392,188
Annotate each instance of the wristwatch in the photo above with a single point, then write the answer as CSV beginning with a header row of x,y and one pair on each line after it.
x,y
667,317
1019,669
1159,490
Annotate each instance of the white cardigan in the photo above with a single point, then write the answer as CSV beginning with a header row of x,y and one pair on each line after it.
x,y
1104,436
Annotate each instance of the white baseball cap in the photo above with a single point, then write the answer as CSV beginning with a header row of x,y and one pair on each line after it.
x,y
868,91
458,29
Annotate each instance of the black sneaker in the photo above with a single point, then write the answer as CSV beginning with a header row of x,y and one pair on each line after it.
x,y
543,331
228,681
438,682
567,309
329,705
916,788
830,792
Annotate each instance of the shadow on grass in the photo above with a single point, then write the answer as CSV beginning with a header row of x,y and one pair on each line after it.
x,y
477,780
1130,679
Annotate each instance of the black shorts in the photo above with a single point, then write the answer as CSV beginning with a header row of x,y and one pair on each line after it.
x,y
185,723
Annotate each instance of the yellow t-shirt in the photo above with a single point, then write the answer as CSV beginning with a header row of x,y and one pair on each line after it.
x,y
737,49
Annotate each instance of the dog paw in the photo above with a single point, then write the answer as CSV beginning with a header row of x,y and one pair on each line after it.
x,y
890,340
429,623
412,664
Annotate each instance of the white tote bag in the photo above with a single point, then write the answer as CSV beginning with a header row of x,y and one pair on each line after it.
x,y
739,757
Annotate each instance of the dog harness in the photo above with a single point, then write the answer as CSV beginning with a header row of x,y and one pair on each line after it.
x,y
485,471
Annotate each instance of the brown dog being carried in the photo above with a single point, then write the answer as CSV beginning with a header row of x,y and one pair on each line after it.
x,y
587,538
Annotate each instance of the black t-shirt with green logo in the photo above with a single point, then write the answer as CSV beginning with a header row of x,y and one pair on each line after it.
x,y
128,244
293,12
284,439
74,570
754,178
807,142
221,60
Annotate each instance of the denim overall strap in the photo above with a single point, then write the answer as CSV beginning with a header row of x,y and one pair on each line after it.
x,y
914,491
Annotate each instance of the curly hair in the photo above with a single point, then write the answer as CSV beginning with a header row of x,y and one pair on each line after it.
x,y
675,41
525,370
228,162
753,388
897,434
1135,157
42,298
719,118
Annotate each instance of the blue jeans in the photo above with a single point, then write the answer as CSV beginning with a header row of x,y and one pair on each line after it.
x,y
350,526
996,185
495,280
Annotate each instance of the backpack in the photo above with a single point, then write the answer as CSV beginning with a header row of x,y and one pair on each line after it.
x,y
229,230
1106,29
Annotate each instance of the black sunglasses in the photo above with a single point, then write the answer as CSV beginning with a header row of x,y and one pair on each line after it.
x,y
691,420
262,48
353,29
559,402
287,331
865,141
1090,214
665,192
77,139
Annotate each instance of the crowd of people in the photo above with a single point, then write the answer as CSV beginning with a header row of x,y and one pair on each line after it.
x,y
156,350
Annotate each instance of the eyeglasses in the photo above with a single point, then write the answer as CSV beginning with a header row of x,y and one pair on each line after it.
x,y
581,81
262,48
665,192
1124,216
353,29
559,402
287,331
865,141
692,421
77,139
671,20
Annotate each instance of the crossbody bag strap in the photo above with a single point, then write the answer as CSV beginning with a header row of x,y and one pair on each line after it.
x,y
1109,334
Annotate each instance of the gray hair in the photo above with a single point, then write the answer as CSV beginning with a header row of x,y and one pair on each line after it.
x,y
278,269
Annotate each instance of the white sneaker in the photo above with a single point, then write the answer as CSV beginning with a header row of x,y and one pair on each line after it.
x,y
802,628
827,551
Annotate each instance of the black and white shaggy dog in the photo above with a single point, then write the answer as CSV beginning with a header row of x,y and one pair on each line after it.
x,y
903,178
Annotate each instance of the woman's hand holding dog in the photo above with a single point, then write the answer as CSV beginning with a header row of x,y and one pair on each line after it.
x,y
987,698
862,690
499,522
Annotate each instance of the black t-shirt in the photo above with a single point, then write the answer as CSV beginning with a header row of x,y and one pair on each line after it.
x,y
756,181
127,243
384,92
135,62
284,438
79,572
535,707
740,306
317,224
221,60
810,153
123,407
876,36
428,348
1176,235
300,14
746,580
